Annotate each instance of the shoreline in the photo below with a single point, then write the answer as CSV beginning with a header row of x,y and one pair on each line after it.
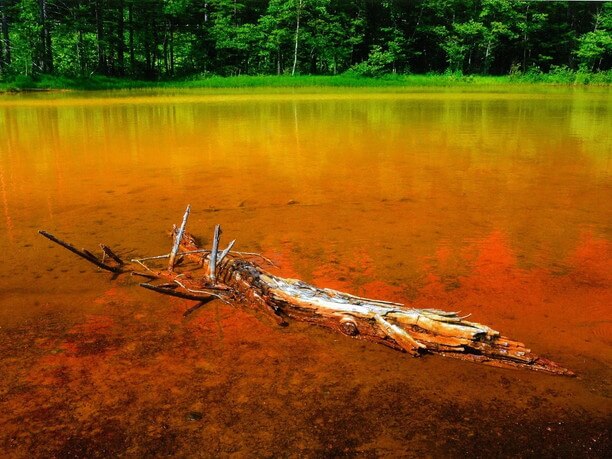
x,y
99,83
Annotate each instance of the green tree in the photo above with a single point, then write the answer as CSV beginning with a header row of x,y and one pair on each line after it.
x,y
529,23
498,18
275,26
26,38
166,38
5,39
595,46
235,40
462,43
334,34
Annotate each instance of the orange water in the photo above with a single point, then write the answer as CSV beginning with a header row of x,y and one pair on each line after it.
x,y
492,203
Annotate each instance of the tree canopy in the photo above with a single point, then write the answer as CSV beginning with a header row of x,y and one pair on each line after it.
x,y
157,39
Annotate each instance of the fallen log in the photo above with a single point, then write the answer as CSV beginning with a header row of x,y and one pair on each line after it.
x,y
203,275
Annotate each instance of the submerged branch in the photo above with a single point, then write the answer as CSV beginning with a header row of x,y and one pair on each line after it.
x,y
177,239
81,253
173,292
236,280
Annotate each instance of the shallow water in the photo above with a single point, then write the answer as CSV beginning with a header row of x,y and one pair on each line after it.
x,y
495,204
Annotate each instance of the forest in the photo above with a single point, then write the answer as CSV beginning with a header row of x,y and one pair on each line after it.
x,y
167,39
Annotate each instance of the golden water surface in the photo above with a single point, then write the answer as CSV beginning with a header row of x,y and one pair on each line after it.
x,y
494,203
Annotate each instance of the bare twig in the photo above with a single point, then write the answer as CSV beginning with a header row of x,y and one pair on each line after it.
x,y
206,292
157,257
190,252
169,285
254,254
213,254
155,275
177,239
81,253
226,251
194,308
170,292
148,276
109,253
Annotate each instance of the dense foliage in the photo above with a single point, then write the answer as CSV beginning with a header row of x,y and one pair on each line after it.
x,y
155,39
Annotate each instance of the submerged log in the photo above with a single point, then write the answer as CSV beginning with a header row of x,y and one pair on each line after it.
x,y
233,277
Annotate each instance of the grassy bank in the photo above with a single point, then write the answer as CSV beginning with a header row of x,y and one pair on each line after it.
x,y
563,77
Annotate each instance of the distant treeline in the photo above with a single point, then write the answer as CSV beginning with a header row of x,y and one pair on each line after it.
x,y
160,39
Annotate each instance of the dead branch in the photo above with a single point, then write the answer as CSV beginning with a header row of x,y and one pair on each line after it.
x,y
172,292
109,253
81,253
232,277
213,254
177,239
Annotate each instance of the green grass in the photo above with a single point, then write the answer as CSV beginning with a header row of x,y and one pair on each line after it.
x,y
559,76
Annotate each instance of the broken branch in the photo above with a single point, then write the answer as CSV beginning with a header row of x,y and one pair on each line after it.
x,y
109,253
172,292
225,252
83,254
416,331
178,238
213,254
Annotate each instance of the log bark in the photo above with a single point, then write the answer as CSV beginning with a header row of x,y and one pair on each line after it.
x,y
234,278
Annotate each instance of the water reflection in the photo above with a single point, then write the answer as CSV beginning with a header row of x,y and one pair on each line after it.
x,y
396,174
492,204
400,173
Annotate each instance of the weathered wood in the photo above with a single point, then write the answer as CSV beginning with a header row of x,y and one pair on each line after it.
x,y
407,342
141,274
109,253
225,252
212,265
240,281
173,292
194,308
178,238
83,254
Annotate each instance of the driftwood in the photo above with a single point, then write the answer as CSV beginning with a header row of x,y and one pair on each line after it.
x,y
204,275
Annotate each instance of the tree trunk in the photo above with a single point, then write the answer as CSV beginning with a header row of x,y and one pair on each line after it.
x,y
469,67
204,275
81,52
100,38
297,36
171,47
5,58
3,64
154,47
165,48
131,40
147,50
121,39
525,39
486,59
45,58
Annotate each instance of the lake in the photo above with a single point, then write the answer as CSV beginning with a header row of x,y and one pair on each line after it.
x,y
494,202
